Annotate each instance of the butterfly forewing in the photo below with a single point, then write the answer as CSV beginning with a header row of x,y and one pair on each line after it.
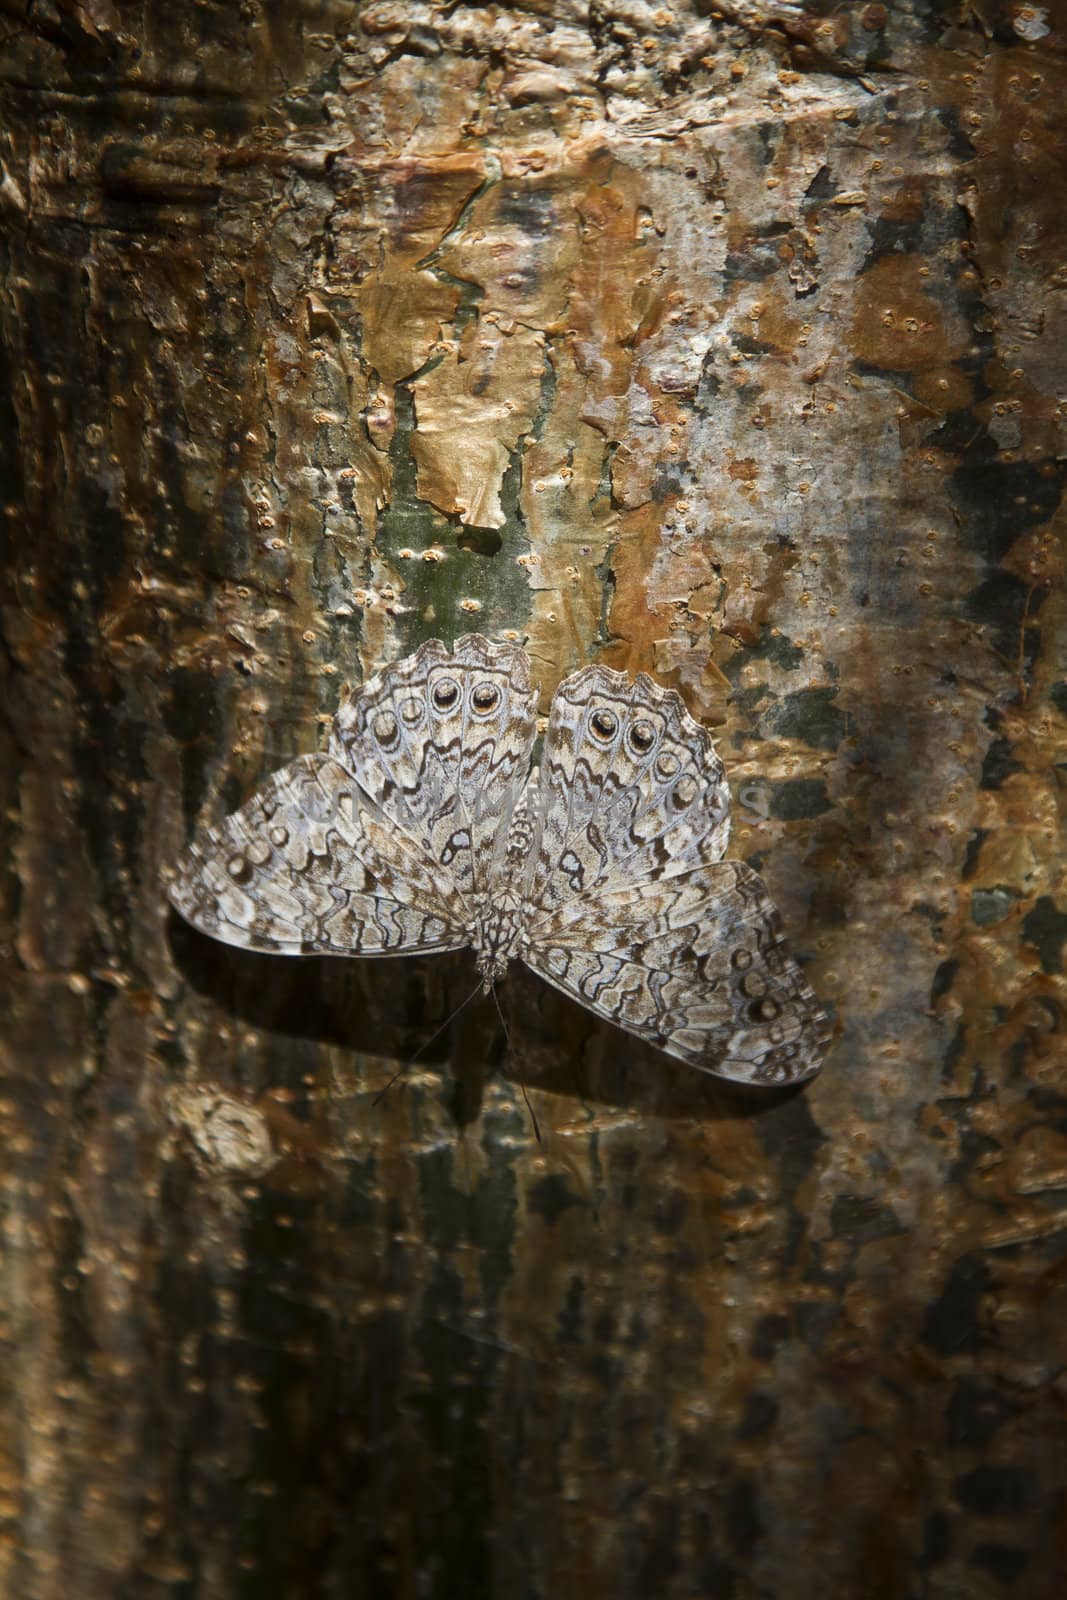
x,y
308,866
695,964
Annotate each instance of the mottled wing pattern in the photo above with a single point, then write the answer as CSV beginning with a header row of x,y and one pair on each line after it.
x,y
394,841
441,742
630,908
697,966
308,866
605,873
630,790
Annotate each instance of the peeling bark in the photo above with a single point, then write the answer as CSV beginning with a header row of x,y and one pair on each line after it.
x,y
718,340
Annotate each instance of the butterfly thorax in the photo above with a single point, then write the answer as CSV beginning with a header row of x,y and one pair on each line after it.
x,y
496,939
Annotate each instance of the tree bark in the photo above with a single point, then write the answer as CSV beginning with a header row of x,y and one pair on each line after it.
x,y
721,341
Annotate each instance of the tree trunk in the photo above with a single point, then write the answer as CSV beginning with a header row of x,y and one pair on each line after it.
x,y
721,341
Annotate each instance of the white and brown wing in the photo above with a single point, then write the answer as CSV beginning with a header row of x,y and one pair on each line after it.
x,y
441,743
630,789
630,907
393,842
408,836
308,866
697,965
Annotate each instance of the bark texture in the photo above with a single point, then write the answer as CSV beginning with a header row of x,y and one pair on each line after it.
x,y
721,340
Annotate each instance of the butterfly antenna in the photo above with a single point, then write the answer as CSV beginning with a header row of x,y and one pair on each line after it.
x,y
500,1014
507,1041
426,1043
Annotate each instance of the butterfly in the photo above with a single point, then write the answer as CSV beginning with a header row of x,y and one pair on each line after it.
x,y
423,828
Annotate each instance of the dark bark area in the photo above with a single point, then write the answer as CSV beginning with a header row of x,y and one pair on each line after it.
x,y
720,341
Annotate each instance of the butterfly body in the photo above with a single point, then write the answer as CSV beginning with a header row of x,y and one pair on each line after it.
x,y
423,828
497,939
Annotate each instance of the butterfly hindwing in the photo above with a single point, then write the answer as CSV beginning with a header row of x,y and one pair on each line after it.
x,y
441,742
630,790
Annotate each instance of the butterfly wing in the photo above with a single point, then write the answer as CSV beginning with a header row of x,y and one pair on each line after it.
x,y
441,743
308,866
631,909
395,840
630,789
696,964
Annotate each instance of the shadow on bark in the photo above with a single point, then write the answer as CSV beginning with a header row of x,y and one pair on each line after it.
x,y
423,1006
